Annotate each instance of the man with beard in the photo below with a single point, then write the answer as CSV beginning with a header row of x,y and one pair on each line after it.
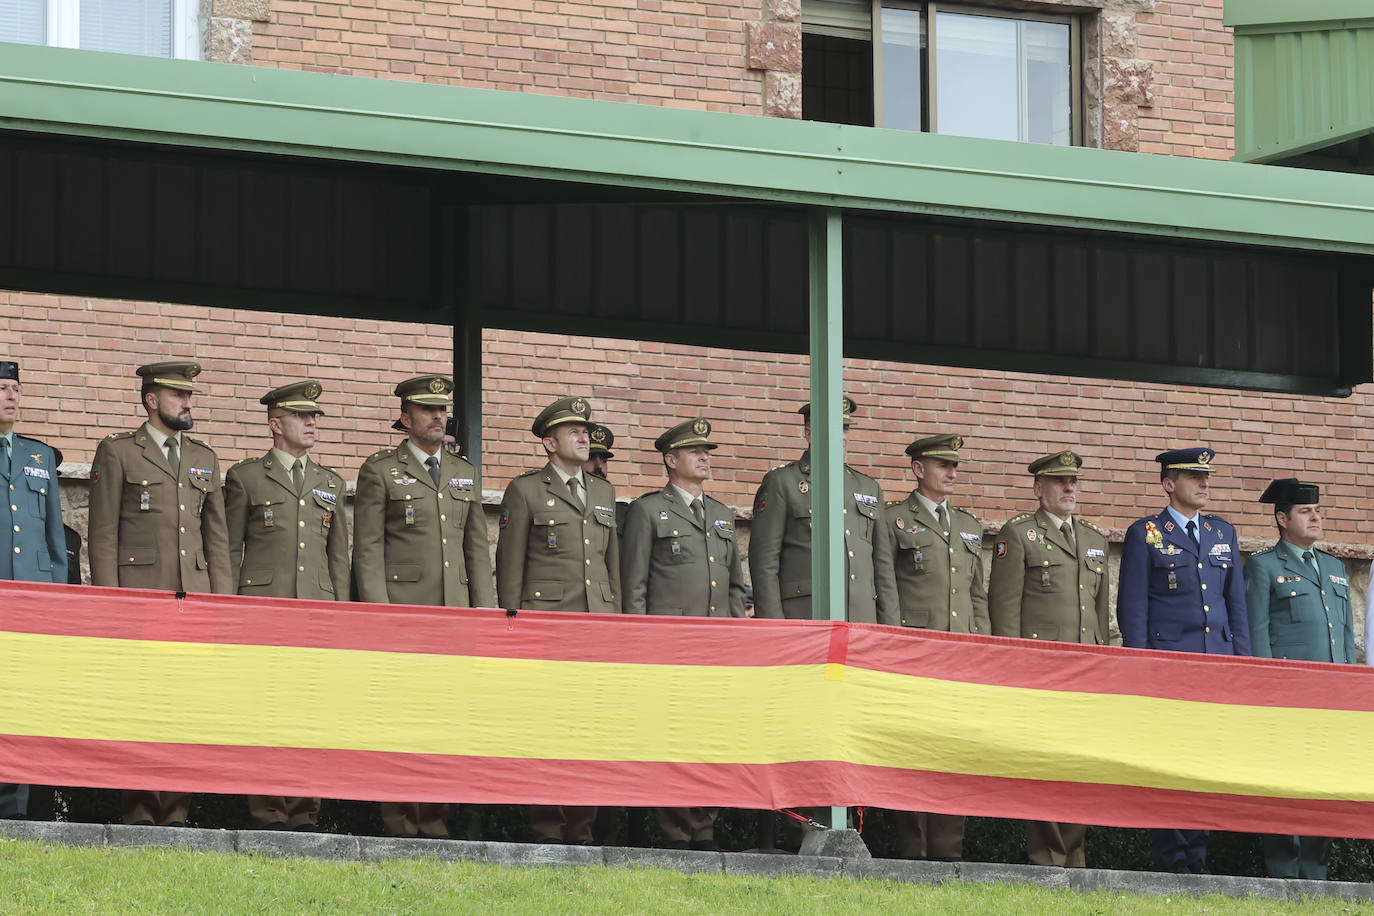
x,y
33,544
1298,602
420,537
1050,580
938,559
558,551
680,557
287,539
1181,589
157,521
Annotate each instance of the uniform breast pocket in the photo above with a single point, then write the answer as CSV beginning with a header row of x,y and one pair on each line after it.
x,y
402,506
866,518
604,526
1093,570
459,508
326,510
38,494
801,511
553,532
915,549
1220,560
200,486
668,535
146,492
1298,603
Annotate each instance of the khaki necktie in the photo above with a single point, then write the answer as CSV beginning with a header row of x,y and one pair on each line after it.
x,y
173,456
576,491
298,474
1067,528
942,517
432,462
699,511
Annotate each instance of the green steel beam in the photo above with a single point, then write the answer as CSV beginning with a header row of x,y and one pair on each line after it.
x,y
287,112
828,567
1240,13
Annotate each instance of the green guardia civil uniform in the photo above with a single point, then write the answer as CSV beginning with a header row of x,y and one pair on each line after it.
x,y
1298,609
673,563
559,552
1045,584
940,587
287,540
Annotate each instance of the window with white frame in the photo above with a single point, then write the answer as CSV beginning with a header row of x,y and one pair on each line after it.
x,y
942,67
159,28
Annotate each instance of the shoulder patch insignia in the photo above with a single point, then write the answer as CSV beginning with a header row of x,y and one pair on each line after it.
x,y
999,550
505,516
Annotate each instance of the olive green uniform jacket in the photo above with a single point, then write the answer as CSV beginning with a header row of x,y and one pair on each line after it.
x,y
672,564
282,543
1040,587
939,578
415,543
553,556
780,547
1295,614
153,528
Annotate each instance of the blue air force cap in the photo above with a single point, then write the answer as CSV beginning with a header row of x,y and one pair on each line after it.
x,y
1186,459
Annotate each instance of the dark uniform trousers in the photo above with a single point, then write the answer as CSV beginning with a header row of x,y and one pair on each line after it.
x,y
418,543
32,543
1298,612
1043,586
155,527
1185,598
940,587
672,564
554,555
286,542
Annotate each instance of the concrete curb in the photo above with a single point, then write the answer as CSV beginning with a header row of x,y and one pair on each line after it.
x,y
376,849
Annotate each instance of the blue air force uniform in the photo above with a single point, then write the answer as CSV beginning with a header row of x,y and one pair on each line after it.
x,y
1177,595
1299,608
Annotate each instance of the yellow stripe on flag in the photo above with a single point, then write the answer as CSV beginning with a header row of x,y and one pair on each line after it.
x,y
122,690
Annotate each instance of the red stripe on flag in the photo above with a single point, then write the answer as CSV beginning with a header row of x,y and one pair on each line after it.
x,y
484,780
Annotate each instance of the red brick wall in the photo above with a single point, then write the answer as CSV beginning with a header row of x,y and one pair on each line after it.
x,y
684,53
1192,55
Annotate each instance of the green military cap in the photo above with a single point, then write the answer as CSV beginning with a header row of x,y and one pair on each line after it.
x,y
434,390
170,374
601,440
847,407
1060,464
572,409
685,435
944,446
297,397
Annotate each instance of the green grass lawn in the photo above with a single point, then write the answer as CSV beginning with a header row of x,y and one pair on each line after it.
x,y
35,878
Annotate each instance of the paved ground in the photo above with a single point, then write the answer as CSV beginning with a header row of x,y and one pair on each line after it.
x,y
850,860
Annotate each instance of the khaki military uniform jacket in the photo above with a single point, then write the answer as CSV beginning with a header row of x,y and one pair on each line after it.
x,y
552,556
1040,587
282,543
152,528
672,564
415,543
780,547
939,579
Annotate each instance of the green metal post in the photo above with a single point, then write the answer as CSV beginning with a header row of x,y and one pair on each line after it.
x,y
827,432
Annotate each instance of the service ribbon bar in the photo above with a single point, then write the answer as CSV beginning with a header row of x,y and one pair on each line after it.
x,y
216,693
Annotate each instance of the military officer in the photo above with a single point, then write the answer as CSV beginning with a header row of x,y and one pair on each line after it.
x,y
1298,602
780,541
939,565
157,521
420,537
1050,580
599,454
558,551
680,557
287,539
33,543
1181,588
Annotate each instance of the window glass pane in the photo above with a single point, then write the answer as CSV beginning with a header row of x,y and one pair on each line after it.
x,y
902,39
127,26
1003,79
22,20
837,79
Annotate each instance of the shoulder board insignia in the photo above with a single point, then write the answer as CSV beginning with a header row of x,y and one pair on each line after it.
x,y
1087,524
529,473
1258,553
120,436
375,455
1021,518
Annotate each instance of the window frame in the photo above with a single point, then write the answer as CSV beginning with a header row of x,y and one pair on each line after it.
x,y
62,25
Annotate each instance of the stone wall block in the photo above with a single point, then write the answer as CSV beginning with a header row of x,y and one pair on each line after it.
x,y
1121,127
1128,81
229,41
1118,33
775,46
252,10
782,95
784,10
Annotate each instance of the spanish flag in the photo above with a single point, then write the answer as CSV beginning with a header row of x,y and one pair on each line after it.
x,y
218,693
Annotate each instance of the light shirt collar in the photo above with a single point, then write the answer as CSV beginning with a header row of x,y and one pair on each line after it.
x,y
1298,551
1055,521
288,461
161,438
688,497
931,505
565,477
420,455
1183,520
